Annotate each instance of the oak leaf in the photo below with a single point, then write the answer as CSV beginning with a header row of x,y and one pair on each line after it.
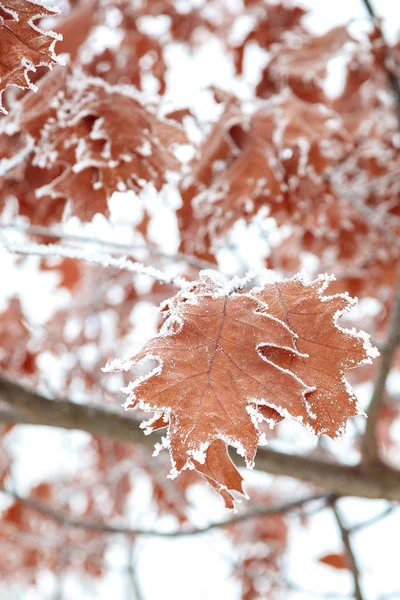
x,y
23,45
227,361
84,140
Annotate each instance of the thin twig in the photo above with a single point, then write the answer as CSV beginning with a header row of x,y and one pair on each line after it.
x,y
392,79
258,511
370,446
369,8
388,351
46,232
124,263
134,591
373,520
345,534
313,594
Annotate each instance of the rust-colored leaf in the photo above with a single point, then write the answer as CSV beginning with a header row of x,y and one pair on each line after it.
x,y
23,45
95,139
222,358
335,560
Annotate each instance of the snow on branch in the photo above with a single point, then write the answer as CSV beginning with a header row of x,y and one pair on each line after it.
x,y
123,263
115,247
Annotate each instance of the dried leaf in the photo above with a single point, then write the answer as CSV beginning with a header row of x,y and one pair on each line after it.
x,y
222,359
23,45
85,140
335,560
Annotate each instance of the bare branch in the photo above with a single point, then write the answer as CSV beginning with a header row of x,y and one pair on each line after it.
x,y
373,520
343,480
98,421
100,527
369,8
313,594
345,534
35,409
370,448
11,417
392,79
134,591
388,351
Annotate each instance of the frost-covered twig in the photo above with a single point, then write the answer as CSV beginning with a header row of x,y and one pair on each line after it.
x,y
124,263
258,511
46,232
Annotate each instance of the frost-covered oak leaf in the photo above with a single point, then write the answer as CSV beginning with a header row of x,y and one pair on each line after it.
x,y
227,361
24,46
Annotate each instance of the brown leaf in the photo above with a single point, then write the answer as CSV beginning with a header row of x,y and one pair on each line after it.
x,y
303,65
222,357
23,45
95,139
335,560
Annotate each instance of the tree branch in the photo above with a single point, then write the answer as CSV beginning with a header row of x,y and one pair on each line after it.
x,y
341,479
345,534
369,8
100,527
392,79
98,421
46,232
32,408
388,351
373,520
123,263
11,417
370,447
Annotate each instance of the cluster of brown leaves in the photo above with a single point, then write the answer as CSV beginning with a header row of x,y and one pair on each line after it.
x,y
328,166
80,140
327,163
